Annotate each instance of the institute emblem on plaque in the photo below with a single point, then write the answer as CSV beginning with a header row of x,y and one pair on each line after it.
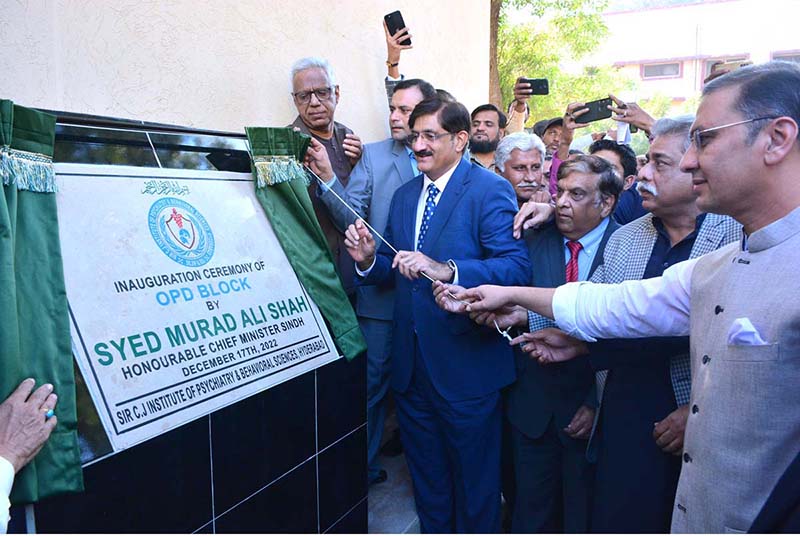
x,y
181,232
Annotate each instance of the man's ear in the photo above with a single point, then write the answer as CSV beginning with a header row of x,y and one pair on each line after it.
x,y
336,92
629,180
462,139
782,139
607,205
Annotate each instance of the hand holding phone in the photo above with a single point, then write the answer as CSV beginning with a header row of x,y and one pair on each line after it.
x,y
394,23
537,86
597,110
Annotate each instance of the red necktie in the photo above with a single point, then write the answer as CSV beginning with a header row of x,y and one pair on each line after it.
x,y
572,265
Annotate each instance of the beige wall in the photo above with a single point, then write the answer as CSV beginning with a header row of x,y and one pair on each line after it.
x,y
224,64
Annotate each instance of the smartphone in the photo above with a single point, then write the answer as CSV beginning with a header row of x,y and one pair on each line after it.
x,y
597,110
539,86
394,21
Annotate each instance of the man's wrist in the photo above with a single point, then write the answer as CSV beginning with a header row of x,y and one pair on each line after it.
x,y
366,264
450,265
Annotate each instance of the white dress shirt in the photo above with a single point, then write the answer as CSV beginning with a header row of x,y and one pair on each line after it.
x,y
656,307
6,481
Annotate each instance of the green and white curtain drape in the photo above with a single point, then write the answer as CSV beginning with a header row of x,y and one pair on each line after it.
x,y
281,188
34,322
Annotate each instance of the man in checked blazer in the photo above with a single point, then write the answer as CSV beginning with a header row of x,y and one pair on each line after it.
x,y
639,426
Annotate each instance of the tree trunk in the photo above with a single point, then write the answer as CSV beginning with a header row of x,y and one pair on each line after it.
x,y
495,96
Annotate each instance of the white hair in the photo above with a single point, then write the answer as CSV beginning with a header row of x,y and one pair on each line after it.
x,y
519,140
314,62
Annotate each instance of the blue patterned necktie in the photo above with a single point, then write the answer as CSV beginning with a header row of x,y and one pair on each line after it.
x,y
430,206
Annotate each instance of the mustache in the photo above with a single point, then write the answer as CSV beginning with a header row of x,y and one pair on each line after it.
x,y
647,187
420,154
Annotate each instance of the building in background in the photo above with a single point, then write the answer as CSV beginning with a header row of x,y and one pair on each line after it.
x,y
670,46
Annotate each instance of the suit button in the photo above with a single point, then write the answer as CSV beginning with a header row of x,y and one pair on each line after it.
x,y
706,359
718,309
686,457
695,409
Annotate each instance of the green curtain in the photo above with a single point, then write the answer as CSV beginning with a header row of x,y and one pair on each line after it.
x,y
284,198
34,325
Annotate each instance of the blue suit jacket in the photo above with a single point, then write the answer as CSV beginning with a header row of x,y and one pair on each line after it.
x,y
384,166
556,391
472,225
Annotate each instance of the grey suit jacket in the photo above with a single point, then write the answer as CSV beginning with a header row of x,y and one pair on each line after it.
x,y
384,167
626,257
743,429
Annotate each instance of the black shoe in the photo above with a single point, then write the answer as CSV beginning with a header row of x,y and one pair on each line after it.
x,y
380,478
393,447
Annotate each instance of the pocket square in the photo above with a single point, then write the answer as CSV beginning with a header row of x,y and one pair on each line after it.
x,y
744,333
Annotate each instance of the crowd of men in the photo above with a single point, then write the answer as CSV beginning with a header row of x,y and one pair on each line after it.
x,y
615,409
601,343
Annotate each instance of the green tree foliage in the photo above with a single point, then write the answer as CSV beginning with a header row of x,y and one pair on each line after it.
x,y
566,30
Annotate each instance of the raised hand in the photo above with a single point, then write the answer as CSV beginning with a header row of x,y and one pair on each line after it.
x,y
360,244
26,421
531,214
317,160
444,294
505,317
551,345
631,113
413,263
352,148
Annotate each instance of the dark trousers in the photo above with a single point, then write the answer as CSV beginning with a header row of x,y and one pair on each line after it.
x,y
453,453
636,481
378,334
554,482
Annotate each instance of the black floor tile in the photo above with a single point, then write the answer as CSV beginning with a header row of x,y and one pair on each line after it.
x,y
354,522
288,505
258,439
162,485
341,398
342,477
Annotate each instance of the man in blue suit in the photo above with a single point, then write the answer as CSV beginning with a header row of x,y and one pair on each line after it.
x,y
452,223
551,409
384,167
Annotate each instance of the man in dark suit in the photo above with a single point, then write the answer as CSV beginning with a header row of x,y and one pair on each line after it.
x,y
551,409
384,167
781,512
452,223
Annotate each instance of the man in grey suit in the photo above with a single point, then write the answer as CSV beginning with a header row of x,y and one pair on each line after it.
x,y
739,304
637,463
384,166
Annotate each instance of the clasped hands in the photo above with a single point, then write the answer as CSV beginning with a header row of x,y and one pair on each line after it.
x,y
488,304
412,264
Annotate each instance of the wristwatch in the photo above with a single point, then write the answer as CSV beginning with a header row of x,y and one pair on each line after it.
x,y
390,64
452,265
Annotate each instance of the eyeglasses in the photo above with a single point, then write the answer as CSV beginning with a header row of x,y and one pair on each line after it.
x,y
429,137
322,93
700,141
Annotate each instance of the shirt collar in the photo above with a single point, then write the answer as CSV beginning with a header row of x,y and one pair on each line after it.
x,y
660,229
774,233
442,181
591,240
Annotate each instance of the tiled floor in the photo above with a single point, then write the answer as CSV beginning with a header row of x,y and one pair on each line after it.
x,y
391,504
